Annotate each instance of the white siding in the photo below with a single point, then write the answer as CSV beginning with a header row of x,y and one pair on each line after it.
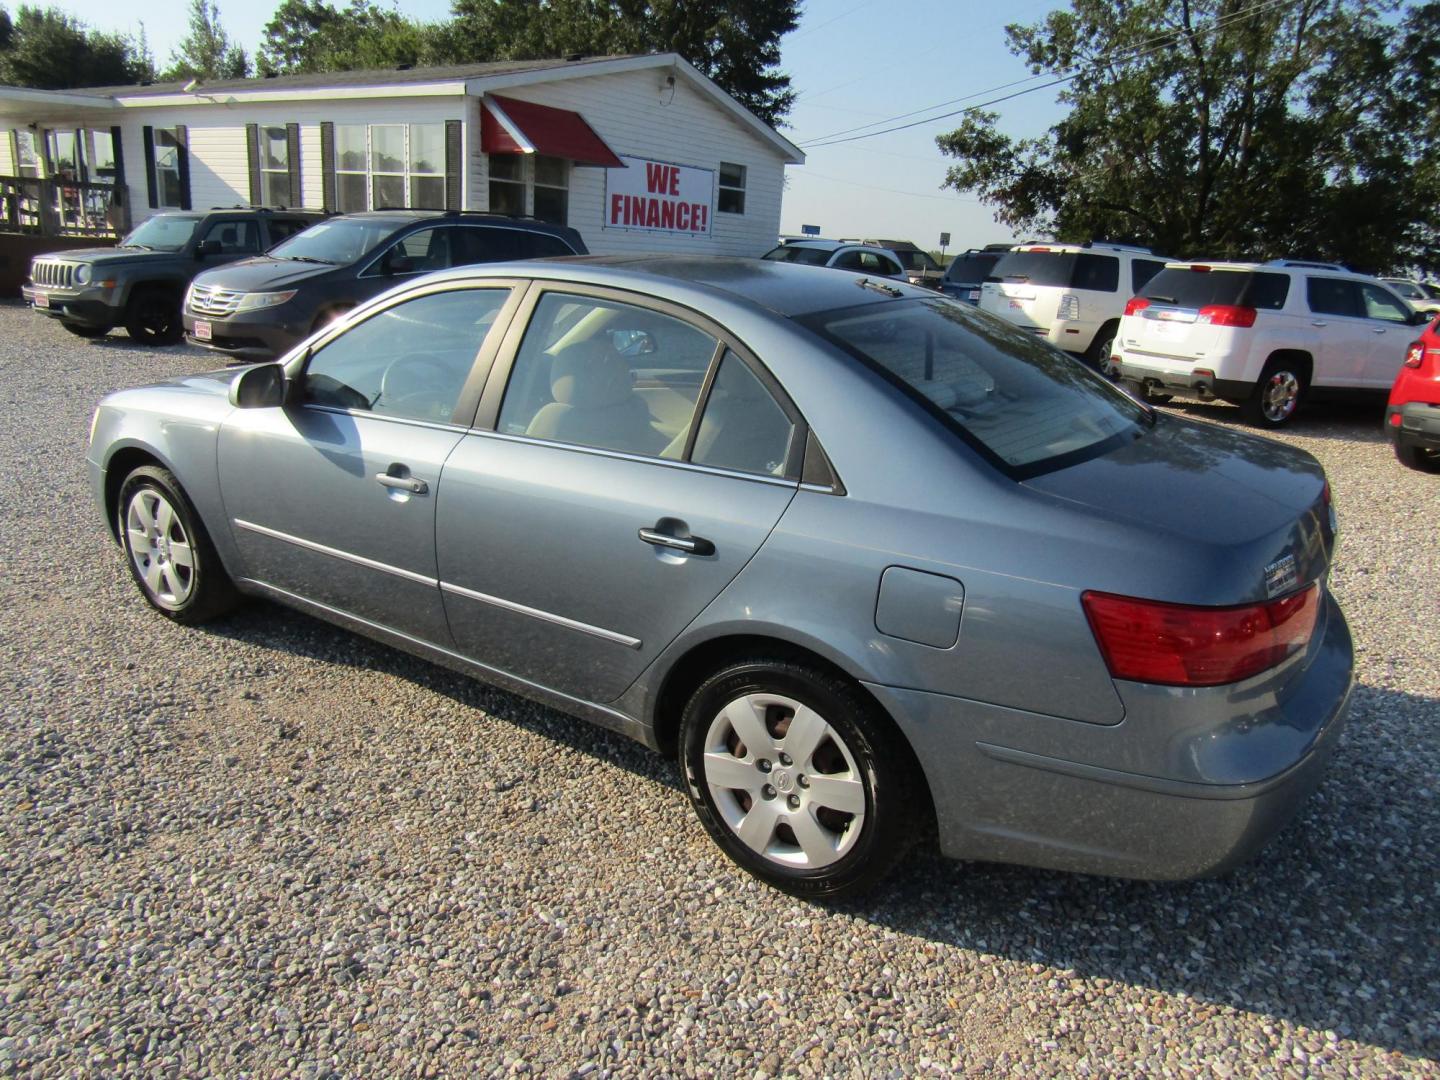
x,y
7,153
637,115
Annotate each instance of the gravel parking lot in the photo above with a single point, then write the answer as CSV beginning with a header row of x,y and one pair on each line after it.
x,y
267,847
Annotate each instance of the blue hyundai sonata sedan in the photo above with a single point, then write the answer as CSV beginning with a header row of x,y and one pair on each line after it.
x,y
868,562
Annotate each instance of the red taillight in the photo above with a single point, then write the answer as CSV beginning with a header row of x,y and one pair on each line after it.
x,y
1137,303
1176,645
1415,354
1227,315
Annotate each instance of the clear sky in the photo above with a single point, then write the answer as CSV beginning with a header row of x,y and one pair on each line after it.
x,y
852,61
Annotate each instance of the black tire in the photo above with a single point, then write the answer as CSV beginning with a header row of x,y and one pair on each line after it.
x,y
1099,353
153,317
859,751
152,542
1418,457
80,330
1278,393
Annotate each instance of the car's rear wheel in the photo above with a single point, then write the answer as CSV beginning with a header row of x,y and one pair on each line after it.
x,y
1418,457
168,550
1277,395
1101,353
81,330
153,317
797,778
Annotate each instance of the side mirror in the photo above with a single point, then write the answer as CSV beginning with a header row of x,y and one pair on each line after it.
x,y
261,387
632,342
1421,318
208,247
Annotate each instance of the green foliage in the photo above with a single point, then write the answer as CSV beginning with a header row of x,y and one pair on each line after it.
x,y
735,42
310,35
46,49
207,52
1235,128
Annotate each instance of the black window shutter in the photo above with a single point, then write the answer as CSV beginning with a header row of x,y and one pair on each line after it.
x,y
453,151
119,152
182,155
149,133
327,167
252,155
292,155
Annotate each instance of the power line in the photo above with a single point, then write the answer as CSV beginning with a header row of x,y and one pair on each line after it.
x,y
1158,42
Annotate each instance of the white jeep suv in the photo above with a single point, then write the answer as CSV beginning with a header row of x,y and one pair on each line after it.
x,y
1072,295
1262,335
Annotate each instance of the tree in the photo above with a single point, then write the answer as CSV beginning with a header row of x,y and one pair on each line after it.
x,y
207,52
311,35
1237,128
735,42
46,49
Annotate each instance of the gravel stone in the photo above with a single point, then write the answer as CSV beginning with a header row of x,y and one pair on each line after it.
x,y
267,847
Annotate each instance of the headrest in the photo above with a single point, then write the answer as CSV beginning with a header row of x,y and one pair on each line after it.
x,y
590,374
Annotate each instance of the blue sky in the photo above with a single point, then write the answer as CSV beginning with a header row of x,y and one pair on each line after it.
x,y
852,61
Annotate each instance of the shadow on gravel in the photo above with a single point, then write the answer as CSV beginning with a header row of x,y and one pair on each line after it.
x,y
1349,421
1334,926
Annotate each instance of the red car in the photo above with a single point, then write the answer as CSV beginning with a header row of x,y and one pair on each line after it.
x,y
1412,418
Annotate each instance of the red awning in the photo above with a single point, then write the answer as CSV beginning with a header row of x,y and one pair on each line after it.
x,y
508,126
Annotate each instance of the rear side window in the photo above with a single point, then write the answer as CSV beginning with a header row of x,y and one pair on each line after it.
x,y
1098,273
743,427
1334,296
1201,288
1141,271
1025,405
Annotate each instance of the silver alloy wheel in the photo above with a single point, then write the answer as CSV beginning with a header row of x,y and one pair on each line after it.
x,y
1279,395
784,781
160,548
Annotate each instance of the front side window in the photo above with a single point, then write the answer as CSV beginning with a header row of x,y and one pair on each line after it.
x,y
389,166
1379,304
167,167
608,375
422,251
731,199
275,168
233,237
409,361
743,427
1023,404
1334,296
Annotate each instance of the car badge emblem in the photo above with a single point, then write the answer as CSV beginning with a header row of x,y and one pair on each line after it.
x,y
1281,576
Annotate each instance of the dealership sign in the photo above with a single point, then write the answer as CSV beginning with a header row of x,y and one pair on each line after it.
x,y
657,196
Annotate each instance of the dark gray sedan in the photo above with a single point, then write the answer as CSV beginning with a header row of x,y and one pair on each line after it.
x,y
866,560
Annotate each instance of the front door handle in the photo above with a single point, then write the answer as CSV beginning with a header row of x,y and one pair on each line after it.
x,y
398,477
691,545
1377,330
1318,322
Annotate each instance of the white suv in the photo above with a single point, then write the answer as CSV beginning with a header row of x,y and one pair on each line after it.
x,y
1072,295
1262,335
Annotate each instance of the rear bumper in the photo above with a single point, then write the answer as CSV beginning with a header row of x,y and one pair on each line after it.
x,y
1189,785
1419,425
1176,376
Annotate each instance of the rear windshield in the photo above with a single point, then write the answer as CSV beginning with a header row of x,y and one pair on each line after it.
x,y
915,260
808,256
1066,269
1024,404
340,242
971,268
1200,288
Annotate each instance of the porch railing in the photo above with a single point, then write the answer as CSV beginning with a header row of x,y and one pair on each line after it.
x,y
58,207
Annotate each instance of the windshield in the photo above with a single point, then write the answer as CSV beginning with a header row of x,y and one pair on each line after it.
x,y
791,253
1188,288
164,232
1026,405
971,268
340,242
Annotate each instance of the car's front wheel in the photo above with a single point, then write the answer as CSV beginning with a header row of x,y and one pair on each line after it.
x,y
168,550
798,779
153,317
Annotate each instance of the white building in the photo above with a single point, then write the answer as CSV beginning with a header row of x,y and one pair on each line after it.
x,y
638,153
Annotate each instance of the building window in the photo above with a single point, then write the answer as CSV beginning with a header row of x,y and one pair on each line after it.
x,y
389,165
27,153
275,168
552,189
167,167
732,188
507,184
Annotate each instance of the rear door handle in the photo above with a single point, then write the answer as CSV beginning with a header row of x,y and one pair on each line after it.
x,y
1317,322
691,545
1377,330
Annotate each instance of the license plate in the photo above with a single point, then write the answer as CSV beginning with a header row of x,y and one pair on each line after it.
x,y
1017,303
202,330
975,295
41,300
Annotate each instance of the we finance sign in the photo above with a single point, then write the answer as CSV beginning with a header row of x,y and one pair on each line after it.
x,y
657,196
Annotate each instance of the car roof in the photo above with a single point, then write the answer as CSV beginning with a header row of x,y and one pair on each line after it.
x,y
404,216
1276,266
1078,249
787,289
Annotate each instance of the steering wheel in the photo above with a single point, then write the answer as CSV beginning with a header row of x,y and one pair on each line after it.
x,y
414,379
